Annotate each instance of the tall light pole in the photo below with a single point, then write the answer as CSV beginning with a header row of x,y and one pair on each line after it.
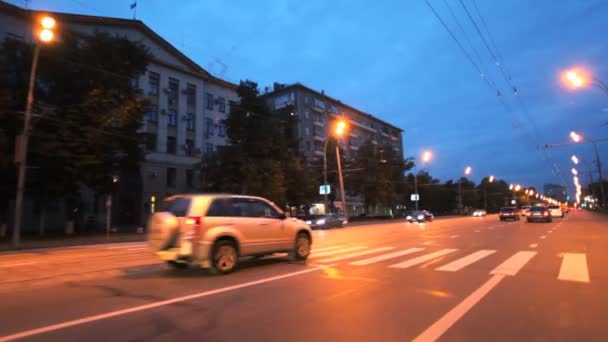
x,y
426,157
485,193
577,138
45,34
467,171
338,131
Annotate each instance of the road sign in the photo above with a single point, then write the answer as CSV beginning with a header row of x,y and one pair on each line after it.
x,y
415,197
324,189
513,202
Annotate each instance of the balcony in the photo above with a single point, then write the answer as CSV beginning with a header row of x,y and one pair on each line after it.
x,y
318,137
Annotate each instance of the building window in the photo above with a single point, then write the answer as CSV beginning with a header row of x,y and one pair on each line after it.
x,y
318,146
189,147
150,140
191,95
172,117
208,127
152,113
153,84
209,148
172,96
221,129
190,121
222,104
189,178
171,177
306,114
209,101
171,144
307,131
308,146
314,131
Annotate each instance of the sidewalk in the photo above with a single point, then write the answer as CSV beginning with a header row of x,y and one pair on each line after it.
x,y
30,242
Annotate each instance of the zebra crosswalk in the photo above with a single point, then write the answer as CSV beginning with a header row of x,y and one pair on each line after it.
x,y
573,266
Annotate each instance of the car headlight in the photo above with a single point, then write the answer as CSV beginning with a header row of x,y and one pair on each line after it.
x,y
309,222
421,217
320,221
409,217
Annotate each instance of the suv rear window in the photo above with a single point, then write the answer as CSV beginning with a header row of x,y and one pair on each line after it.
x,y
537,209
506,210
177,206
553,207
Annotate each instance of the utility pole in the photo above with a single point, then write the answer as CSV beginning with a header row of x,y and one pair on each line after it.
x,y
345,210
599,170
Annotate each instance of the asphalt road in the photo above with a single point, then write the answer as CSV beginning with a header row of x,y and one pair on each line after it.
x,y
460,279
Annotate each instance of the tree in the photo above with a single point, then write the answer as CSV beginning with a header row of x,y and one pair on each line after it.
x,y
85,118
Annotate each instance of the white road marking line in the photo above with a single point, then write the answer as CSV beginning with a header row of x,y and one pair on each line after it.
x,y
337,251
435,331
533,245
111,314
23,263
543,236
126,246
386,256
477,231
428,243
461,263
137,248
515,263
574,268
454,236
356,254
325,249
490,228
423,258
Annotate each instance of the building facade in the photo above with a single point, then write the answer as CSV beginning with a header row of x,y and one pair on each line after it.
x,y
316,111
187,105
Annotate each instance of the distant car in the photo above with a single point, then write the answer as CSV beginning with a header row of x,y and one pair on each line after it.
x,y
539,213
479,213
508,213
420,216
327,221
555,211
214,231
525,210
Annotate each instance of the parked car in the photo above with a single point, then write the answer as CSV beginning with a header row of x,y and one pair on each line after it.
x,y
327,221
420,216
479,213
555,211
525,210
539,213
508,213
214,231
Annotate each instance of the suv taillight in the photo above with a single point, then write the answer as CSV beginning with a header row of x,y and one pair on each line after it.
x,y
193,224
546,213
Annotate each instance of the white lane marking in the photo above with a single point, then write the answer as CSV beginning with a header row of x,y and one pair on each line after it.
x,y
428,243
461,263
138,248
574,268
23,263
435,331
477,231
515,263
111,314
325,249
423,258
386,256
126,246
533,245
543,236
454,236
490,228
356,254
337,251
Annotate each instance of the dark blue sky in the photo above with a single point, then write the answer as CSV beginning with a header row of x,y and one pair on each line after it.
x,y
394,59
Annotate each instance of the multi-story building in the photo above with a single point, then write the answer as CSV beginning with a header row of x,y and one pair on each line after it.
x,y
556,191
316,110
187,105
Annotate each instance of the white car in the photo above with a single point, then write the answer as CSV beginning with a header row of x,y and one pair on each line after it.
x,y
555,211
479,213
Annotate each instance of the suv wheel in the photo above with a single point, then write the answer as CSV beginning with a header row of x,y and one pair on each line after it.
x,y
301,247
177,265
224,257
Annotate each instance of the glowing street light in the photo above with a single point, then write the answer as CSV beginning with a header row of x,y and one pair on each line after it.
x,y
491,179
517,187
511,186
576,137
574,78
427,156
340,129
574,159
468,170
531,192
574,172
48,23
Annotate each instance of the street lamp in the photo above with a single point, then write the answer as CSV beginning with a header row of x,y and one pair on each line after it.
x,y
574,159
517,188
467,171
45,35
574,171
426,157
576,78
576,137
339,130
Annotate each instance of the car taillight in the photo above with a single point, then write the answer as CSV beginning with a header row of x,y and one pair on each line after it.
x,y
193,224
546,213
528,213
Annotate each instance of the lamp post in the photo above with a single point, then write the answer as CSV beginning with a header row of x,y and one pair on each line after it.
x,y
577,138
467,171
485,193
426,156
45,35
339,130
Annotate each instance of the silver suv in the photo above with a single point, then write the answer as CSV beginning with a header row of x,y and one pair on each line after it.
x,y
213,231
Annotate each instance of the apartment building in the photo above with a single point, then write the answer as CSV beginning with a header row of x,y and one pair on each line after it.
x,y
187,108
316,110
